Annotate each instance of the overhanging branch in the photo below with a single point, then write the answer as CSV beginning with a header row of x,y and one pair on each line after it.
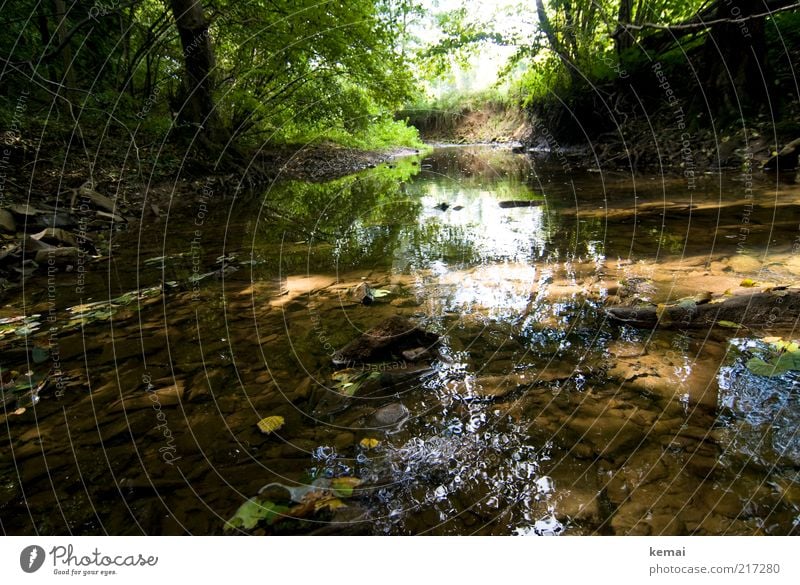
x,y
704,24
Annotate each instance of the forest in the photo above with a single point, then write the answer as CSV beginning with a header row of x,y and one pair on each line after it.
x,y
399,267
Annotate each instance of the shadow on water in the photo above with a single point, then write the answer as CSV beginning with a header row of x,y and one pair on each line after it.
x,y
131,402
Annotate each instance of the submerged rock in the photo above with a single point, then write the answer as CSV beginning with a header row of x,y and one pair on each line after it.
x,y
389,415
363,294
58,256
7,223
416,354
385,342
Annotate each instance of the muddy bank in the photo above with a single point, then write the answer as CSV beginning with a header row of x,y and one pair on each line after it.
x,y
666,148
485,125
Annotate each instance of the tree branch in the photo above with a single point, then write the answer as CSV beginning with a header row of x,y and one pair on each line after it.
x,y
703,24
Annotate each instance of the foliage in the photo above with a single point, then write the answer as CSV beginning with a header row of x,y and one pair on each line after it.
x,y
784,356
284,69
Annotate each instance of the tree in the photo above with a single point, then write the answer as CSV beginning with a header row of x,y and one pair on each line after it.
x,y
198,108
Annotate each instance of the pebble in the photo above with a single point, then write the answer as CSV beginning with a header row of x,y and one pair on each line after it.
x,y
389,415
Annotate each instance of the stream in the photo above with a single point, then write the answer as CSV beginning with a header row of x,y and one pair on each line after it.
x,y
133,386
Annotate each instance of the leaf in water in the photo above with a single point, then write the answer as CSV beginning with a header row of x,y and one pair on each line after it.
x,y
748,282
729,324
254,511
39,355
369,443
270,424
26,330
156,260
20,411
101,315
780,365
16,319
348,384
787,346
788,361
298,493
199,277
343,486
761,368
87,307
330,503
380,292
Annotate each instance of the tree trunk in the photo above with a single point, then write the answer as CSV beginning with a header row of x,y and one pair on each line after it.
x,y
198,55
555,45
622,37
734,58
68,75
44,33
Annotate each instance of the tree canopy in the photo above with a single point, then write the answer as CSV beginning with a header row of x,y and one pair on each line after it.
x,y
251,71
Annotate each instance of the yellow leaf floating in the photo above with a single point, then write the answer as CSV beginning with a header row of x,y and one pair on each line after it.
x,y
270,424
330,503
369,443
748,282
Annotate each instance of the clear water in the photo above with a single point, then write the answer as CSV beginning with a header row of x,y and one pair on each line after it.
x,y
538,418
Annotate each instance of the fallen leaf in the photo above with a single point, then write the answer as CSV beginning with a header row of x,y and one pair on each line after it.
x,y
343,486
729,324
369,443
748,282
270,424
254,511
330,503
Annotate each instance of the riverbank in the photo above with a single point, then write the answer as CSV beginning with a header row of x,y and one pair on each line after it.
x,y
658,146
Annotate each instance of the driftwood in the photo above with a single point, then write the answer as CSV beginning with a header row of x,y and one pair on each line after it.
x,y
777,307
521,203
786,159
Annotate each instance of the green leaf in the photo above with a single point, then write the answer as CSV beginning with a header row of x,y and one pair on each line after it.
x,y
254,511
380,292
729,324
783,363
343,486
26,330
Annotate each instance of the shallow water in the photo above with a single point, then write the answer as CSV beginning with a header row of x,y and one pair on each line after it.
x,y
537,416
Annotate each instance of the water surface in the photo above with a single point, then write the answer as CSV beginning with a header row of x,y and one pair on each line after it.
x,y
537,415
